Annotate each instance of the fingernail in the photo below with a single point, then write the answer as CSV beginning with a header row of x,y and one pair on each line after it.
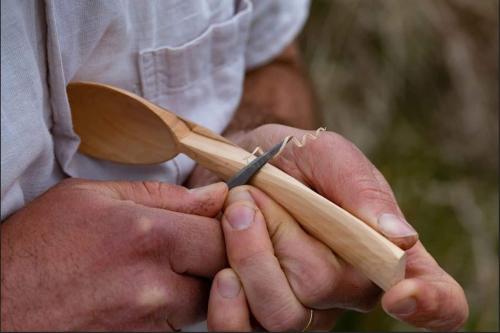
x,y
239,195
240,216
393,226
404,307
228,285
204,190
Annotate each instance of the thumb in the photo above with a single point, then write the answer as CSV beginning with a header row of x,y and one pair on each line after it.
x,y
348,178
429,297
227,306
203,201
437,306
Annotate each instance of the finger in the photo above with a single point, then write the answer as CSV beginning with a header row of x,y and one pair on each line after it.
x,y
187,299
356,185
344,175
250,254
149,297
317,277
204,201
201,177
429,297
227,305
188,244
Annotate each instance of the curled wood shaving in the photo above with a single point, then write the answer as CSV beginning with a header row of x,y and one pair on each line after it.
x,y
297,142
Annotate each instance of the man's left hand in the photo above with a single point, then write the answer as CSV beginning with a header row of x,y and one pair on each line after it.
x,y
284,271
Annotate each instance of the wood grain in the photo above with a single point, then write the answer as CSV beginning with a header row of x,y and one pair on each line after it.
x,y
364,248
116,125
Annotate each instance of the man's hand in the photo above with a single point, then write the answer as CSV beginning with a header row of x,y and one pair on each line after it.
x,y
91,255
284,271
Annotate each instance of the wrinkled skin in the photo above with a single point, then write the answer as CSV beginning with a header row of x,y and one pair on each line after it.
x,y
90,255
280,271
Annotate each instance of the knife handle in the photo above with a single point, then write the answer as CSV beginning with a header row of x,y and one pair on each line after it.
x,y
357,243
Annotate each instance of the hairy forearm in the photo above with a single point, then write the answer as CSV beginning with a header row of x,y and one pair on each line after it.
x,y
278,92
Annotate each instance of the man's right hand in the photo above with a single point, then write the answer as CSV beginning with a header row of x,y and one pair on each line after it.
x,y
90,255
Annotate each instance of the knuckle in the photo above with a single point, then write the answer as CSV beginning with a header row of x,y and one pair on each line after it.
x,y
155,190
146,234
285,318
313,284
458,310
358,172
151,294
159,189
425,316
143,226
325,141
339,143
370,189
151,187
252,260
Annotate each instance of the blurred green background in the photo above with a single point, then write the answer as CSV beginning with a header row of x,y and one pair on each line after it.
x,y
414,84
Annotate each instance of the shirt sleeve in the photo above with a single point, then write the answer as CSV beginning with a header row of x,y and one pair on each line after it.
x,y
275,23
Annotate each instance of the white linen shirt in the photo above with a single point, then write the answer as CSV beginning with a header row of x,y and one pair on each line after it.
x,y
188,56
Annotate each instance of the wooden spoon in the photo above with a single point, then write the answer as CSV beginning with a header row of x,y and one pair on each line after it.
x,y
116,125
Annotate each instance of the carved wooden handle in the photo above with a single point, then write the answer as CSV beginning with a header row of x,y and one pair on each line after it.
x,y
357,243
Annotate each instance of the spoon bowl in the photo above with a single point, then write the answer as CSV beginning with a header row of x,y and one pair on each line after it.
x,y
118,126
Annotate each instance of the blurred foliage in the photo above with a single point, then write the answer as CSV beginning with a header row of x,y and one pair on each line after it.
x,y
415,85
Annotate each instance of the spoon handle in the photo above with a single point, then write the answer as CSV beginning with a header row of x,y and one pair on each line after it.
x,y
357,243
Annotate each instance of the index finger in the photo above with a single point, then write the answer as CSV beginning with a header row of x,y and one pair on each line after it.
x,y
338,170
188,244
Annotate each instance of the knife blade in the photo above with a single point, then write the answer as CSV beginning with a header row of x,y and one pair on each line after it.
x,y
245,174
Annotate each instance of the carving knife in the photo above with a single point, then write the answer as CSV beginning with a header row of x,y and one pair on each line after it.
x,y
243,176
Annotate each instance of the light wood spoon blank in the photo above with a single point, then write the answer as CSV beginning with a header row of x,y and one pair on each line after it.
x,y
116,125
